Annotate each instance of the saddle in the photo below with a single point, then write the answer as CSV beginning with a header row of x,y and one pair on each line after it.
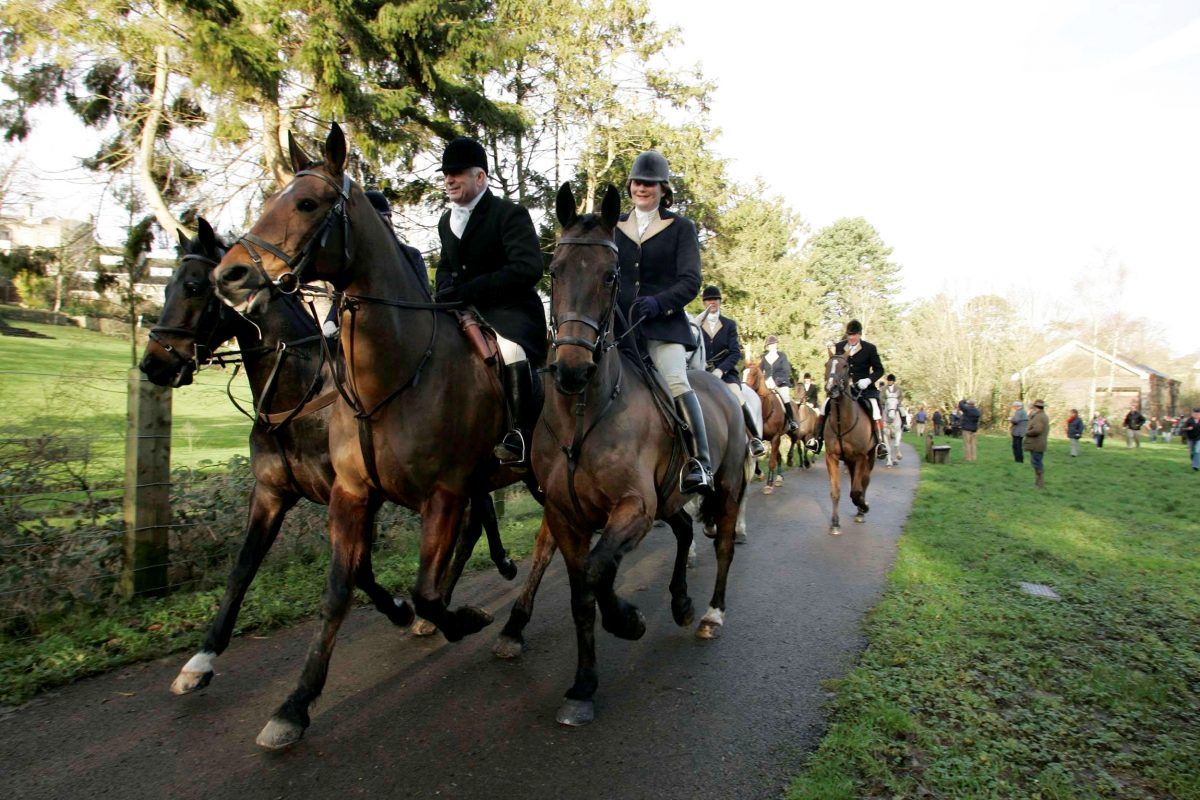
x,y
480,335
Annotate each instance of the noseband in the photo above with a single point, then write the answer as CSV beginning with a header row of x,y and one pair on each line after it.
x,y
602,326
213,309
289,281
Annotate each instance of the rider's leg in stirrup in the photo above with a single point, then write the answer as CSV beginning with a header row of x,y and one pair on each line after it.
x,y
757,448
671,361
785,394
815,441
513,450
881,448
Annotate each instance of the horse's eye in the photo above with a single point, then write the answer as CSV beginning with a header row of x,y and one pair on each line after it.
x,y
609,277
307,205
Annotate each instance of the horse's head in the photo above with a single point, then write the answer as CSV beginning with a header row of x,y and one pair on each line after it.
x,y
754,378
837,375
584,281
194,322
303,233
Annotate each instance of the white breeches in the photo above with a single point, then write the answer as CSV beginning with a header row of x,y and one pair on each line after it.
x,y
510,351
785,393
737,393
670,359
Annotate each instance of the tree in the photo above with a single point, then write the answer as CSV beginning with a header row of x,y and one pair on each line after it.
x,y
854,271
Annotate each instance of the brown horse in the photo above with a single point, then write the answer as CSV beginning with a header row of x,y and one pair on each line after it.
x,y
289,452
775,426
849,437
608,454
396,432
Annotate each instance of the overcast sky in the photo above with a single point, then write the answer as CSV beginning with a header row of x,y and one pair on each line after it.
x,y
998,147
995,146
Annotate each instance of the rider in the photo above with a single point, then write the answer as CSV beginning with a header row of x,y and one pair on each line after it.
x,y
491,260
892,399
722,353
778,372
866,369
809,390
659,255
412,256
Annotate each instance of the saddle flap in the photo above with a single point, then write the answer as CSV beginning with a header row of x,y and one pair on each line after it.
x,y
480,335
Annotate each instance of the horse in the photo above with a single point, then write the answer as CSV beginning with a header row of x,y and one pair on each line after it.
x,y
849,437
607,452
393,435
774,426
289,449
893,426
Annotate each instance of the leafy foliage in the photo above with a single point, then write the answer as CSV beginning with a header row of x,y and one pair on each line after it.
x,y
853,268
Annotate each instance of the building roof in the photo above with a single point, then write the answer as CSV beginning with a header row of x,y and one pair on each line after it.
x,y
1141,370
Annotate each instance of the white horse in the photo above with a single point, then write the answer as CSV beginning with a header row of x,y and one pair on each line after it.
x,y
893,424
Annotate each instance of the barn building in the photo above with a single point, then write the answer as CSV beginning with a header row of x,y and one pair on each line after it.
x,y
1074,370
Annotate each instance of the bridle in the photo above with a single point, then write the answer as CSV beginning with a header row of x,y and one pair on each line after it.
x,y
289,281
214,310
603,326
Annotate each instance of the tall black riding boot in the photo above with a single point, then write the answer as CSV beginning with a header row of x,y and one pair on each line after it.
x,y
697,473
815,441
513,450
757,448
792,426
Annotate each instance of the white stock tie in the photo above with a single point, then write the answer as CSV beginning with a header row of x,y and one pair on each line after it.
x,y
458,220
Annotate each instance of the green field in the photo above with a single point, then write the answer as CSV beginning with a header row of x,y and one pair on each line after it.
x,y
74,385
971,688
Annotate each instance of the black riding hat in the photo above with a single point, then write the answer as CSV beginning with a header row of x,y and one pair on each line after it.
x,y
463,153
651,167
379,201
711,293
853,326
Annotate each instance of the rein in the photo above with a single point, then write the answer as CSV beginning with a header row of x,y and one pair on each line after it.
x,y
845,389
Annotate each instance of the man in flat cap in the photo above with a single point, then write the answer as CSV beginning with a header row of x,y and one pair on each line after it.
x,y
491,260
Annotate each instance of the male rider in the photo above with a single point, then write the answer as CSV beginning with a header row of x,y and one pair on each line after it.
x,y
722,351
866,369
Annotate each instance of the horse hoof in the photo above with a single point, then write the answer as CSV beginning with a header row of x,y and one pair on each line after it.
x,y
507,569
740,538
423,627
859,518
835,531
472,619
683,612
402,614
629,625
711,624
187,682
507,648
768,489
278,734
778,481
757,476
576,712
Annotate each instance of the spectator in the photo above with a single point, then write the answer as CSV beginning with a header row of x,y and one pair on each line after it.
x,y
937,422
1190,431
1074,431
1168,429
970,426
1133,423
1018,422
1035,441
1152,427
1099,429
921,418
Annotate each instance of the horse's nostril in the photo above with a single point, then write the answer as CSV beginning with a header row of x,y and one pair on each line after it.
x,y
234,274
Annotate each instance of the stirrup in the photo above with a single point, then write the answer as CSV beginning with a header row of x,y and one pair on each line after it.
x,y
791,427
511,450
757,448
881,451
703,484
814,444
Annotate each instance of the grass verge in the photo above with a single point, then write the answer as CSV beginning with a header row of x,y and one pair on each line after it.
x,y
972,689
287,590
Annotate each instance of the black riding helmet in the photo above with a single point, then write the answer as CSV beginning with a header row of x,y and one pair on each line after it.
x,y
853,326
651,167
711,293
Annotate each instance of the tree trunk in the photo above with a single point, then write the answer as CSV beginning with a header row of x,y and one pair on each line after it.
x,y
149,135
274,157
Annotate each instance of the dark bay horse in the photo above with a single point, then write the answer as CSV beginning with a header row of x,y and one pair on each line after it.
x,y
289,452
849,438
608,455
775,427
418,414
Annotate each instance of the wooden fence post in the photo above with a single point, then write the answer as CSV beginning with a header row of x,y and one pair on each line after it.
x,y
147,488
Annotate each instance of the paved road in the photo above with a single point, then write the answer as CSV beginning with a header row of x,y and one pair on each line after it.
x,y
404,717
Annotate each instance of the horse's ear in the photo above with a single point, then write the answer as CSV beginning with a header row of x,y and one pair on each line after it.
x,y
300,159
207,237
335,150
610,207
184,241
564,206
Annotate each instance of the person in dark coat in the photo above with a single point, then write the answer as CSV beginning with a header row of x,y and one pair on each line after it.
x,y
969,424
491,260
808,390
722,352
659,255
1074,431
778,373
410,255
937,422
1036,436
866,370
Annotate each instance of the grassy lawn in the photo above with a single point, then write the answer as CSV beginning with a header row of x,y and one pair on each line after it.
x,y
74,384
287,590
972,689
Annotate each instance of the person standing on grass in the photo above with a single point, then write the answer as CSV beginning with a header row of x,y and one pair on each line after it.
x,y
1133,423
1074,431
1168,429
1018,422
921,418
1099,429
1035,441
1191,434
937,422
970,426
